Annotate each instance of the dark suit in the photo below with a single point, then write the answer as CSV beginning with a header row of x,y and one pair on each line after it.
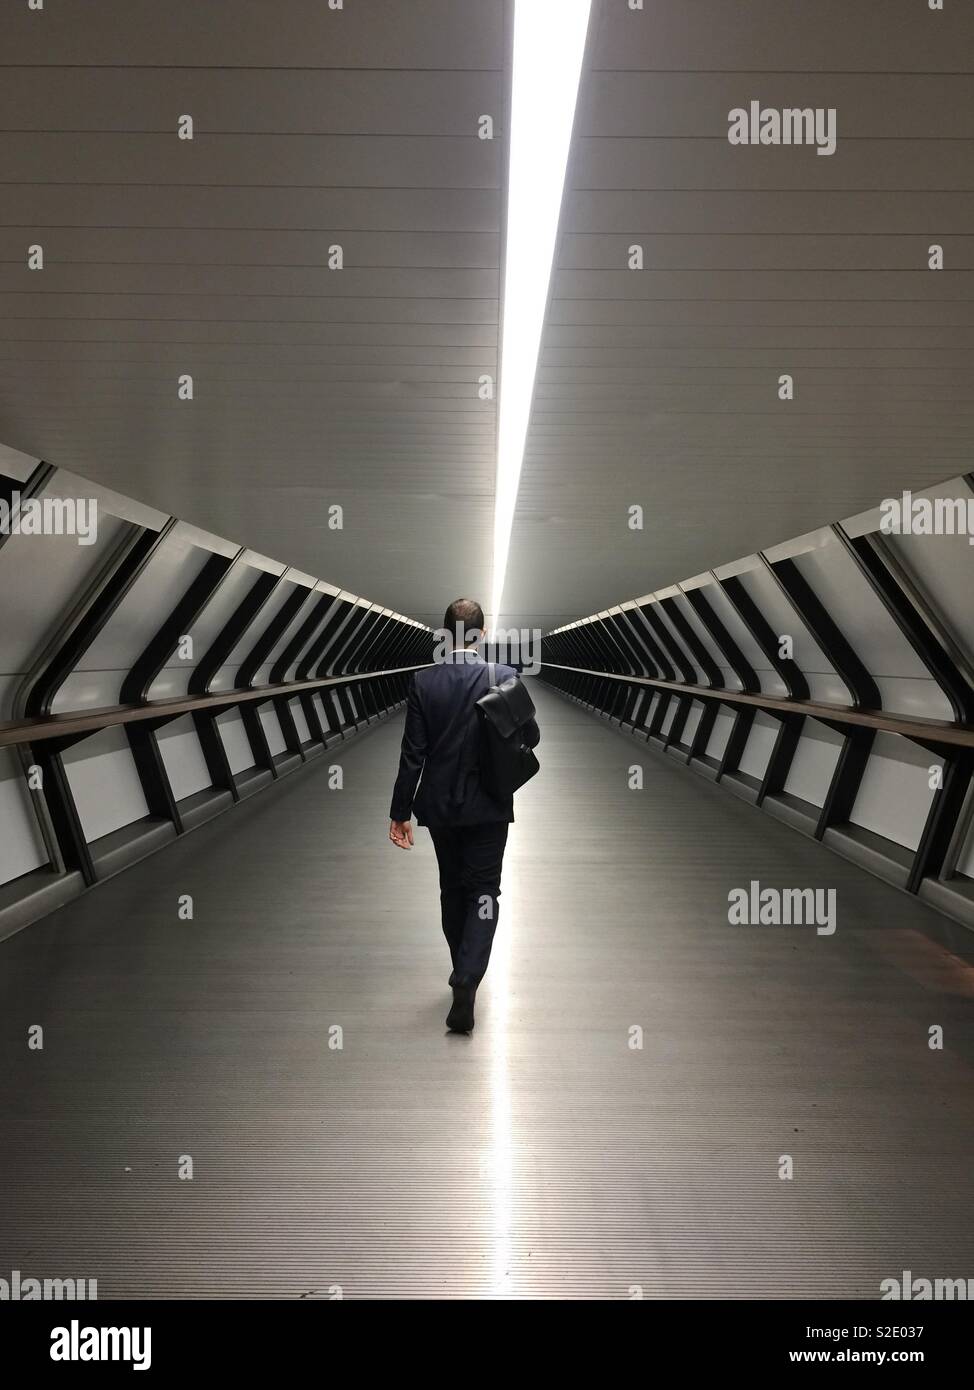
x,y
441,745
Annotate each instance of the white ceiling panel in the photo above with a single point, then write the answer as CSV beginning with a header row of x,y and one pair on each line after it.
x,y
210,257
423,34
659,387
360,387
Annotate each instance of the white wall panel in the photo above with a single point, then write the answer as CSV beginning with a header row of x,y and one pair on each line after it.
x,y
319,705
653,705
813,764
104,782
300,720
895,792
22,846
920,698
173,680
721,732
272,729
759,746
183,757
693,719
240,755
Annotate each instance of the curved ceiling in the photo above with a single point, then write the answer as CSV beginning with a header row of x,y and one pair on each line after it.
x,y
312,387
359,127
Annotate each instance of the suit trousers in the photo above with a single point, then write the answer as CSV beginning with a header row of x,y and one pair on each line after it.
x,y
470,859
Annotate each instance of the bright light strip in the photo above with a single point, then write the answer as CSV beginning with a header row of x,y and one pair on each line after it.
x,y
549,41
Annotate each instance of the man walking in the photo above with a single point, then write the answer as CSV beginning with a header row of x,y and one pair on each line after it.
x,y
441,745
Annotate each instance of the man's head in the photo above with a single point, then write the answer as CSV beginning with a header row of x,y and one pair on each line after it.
x,y
464,621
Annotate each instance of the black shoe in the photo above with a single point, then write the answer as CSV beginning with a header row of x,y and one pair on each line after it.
x,y
460,1017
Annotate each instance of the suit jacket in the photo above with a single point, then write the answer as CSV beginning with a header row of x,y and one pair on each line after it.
x,y
441,745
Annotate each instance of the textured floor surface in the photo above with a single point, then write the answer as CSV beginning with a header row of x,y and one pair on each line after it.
x,y
548,1155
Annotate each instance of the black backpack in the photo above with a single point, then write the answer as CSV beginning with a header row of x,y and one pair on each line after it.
x,y
505,761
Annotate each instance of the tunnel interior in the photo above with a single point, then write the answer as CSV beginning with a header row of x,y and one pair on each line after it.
x,y
257,341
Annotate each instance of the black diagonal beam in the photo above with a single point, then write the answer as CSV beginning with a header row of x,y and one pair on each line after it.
x,y
268,639
293,648
669,643
698,651
736,659
109,590
339,615
136,685
942,819
765,636
232,632
32,486
868,557
827,633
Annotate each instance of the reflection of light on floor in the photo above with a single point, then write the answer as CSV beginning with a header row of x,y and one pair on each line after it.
x,y
501,1158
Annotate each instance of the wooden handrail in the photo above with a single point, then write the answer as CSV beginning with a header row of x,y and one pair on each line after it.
x,y
922,730
88,721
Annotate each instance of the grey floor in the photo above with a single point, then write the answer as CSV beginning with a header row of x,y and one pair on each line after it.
x,y
545,1156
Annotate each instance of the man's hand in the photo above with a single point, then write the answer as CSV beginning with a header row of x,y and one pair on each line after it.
x,y
401,833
